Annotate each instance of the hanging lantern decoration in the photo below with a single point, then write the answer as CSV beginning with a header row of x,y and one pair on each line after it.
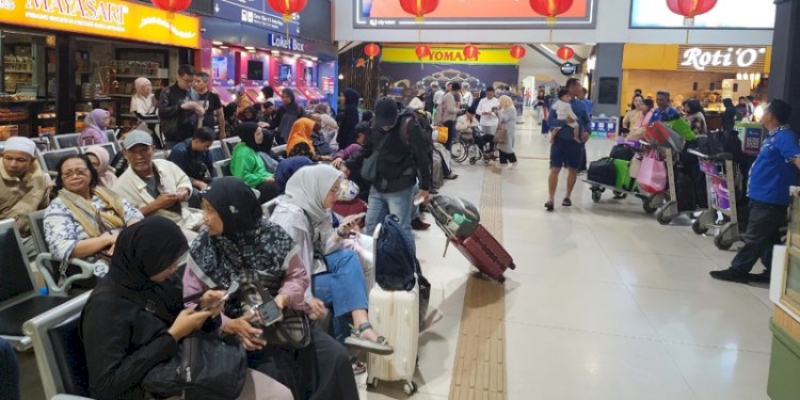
x,y
419,8
550,9
422,51
690,9
517,51
372,50
471,52
287,8
565,53
172,6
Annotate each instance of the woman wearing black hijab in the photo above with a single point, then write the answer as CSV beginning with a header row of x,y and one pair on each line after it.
x,y
239,245
289,112
123,341
249,164
347,119
729,115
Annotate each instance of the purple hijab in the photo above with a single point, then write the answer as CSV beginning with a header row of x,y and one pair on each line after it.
x,y
94,129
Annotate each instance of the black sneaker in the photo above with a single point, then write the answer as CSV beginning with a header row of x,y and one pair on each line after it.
x,y
731,275
763,277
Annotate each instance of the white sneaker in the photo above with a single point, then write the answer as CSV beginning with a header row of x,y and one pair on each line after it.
x,y
514,166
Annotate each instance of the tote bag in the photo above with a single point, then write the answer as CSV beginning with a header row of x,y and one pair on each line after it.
x,y
652,175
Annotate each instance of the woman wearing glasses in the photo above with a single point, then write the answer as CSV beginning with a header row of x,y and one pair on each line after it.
x,y
84,220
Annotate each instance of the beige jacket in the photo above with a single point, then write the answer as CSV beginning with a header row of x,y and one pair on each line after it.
x,y
132,188
20,196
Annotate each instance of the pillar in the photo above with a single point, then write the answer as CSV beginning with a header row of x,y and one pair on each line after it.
x,y
784,78
67,94
607,79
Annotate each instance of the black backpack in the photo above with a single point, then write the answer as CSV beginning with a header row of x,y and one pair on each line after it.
x,y
396,263
622,152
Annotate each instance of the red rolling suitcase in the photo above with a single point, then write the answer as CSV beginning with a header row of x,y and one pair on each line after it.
x,y
485,253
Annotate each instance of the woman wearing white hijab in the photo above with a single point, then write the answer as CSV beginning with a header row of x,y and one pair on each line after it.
x,y
304,212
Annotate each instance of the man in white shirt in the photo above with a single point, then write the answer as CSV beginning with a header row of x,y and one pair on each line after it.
x,y
487,109
156,187
466,96
438,93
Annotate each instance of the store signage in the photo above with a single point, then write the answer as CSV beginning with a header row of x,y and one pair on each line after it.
x,y
256,13
731,57
568,68
448,55
282,42
111,18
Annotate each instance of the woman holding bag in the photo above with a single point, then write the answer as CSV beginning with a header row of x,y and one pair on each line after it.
x,y
238,246
124,342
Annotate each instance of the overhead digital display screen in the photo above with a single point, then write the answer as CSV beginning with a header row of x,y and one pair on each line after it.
x,y
730,14
468,14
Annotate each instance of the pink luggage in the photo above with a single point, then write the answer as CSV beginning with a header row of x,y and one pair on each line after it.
x,y
485,253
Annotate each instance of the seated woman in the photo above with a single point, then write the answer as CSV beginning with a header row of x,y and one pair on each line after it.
x,y
100,159
83,221
95,125
337,277
300,142
247,164
287,168
350,152
329,131
237,246
120,354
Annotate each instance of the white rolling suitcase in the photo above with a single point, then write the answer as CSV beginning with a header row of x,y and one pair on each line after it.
x,y
395,316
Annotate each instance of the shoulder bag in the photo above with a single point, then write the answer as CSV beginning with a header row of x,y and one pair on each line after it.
x,y
293,332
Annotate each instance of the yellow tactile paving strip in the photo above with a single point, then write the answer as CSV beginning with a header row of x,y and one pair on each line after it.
x,y
479,370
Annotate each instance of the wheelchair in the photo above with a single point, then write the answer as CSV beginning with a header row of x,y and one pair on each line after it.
x,y
467,146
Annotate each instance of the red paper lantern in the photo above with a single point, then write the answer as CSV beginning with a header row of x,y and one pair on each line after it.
x,y
690,8
287,7
372,50
471,52
422,51
419,8
517,51
172,5
550,8
565,53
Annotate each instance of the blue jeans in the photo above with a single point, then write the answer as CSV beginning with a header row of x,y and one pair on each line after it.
x,y
9,371
342,289
382,204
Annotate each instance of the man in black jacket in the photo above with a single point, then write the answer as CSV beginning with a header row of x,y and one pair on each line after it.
x,y
179,108
404,158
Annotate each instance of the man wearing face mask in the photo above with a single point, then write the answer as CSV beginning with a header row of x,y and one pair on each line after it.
x,y
404,157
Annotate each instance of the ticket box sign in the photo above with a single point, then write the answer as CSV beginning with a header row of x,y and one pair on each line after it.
x,y
110,18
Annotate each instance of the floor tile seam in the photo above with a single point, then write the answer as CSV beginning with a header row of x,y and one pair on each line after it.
x,y
712,347
578,330
749,295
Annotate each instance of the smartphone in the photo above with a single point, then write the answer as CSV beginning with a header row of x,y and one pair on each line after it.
x,y
224,298
269,313
351,219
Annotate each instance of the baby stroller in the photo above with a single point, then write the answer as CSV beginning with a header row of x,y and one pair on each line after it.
x,y
468,145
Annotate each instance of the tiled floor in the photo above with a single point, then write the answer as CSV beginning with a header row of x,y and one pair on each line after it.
x,y
605,302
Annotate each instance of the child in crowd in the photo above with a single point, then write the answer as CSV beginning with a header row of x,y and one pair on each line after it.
x,y
563,110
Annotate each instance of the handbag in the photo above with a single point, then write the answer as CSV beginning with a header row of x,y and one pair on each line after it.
x,y
206,367
636,165
440,134
293,332
500,134
652,175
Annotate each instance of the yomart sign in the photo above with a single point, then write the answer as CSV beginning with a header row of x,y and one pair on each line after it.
x,y
110,18
448,55
721,58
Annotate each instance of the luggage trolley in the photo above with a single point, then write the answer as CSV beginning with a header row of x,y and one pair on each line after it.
x,y
721,188
650,202
670,210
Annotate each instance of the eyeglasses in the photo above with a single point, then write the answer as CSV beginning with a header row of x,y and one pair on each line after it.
x,y
188,80
78,172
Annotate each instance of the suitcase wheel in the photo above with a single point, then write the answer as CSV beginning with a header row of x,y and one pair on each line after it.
x,y
512,266
410,388
372,382
501,279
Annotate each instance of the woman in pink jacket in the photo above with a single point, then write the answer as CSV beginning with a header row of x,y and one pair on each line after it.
x,y
95,125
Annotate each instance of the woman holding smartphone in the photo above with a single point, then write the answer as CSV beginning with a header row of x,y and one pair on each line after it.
x,y
239,247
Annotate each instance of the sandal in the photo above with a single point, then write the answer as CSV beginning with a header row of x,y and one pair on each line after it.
x,y
451,176
567,202
380,346
549,206
359,367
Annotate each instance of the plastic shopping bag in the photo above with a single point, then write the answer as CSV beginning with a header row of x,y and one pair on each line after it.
x,y
652,174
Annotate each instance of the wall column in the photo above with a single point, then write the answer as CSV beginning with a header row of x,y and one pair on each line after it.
x,y
606,92
783,77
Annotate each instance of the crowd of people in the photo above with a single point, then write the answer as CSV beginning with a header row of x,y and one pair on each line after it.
x,y
268,228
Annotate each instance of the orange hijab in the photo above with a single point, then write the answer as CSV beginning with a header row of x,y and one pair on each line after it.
x,y
301,132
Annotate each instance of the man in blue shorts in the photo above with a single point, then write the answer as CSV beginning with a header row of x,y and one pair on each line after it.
x,y
773,172
565,151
